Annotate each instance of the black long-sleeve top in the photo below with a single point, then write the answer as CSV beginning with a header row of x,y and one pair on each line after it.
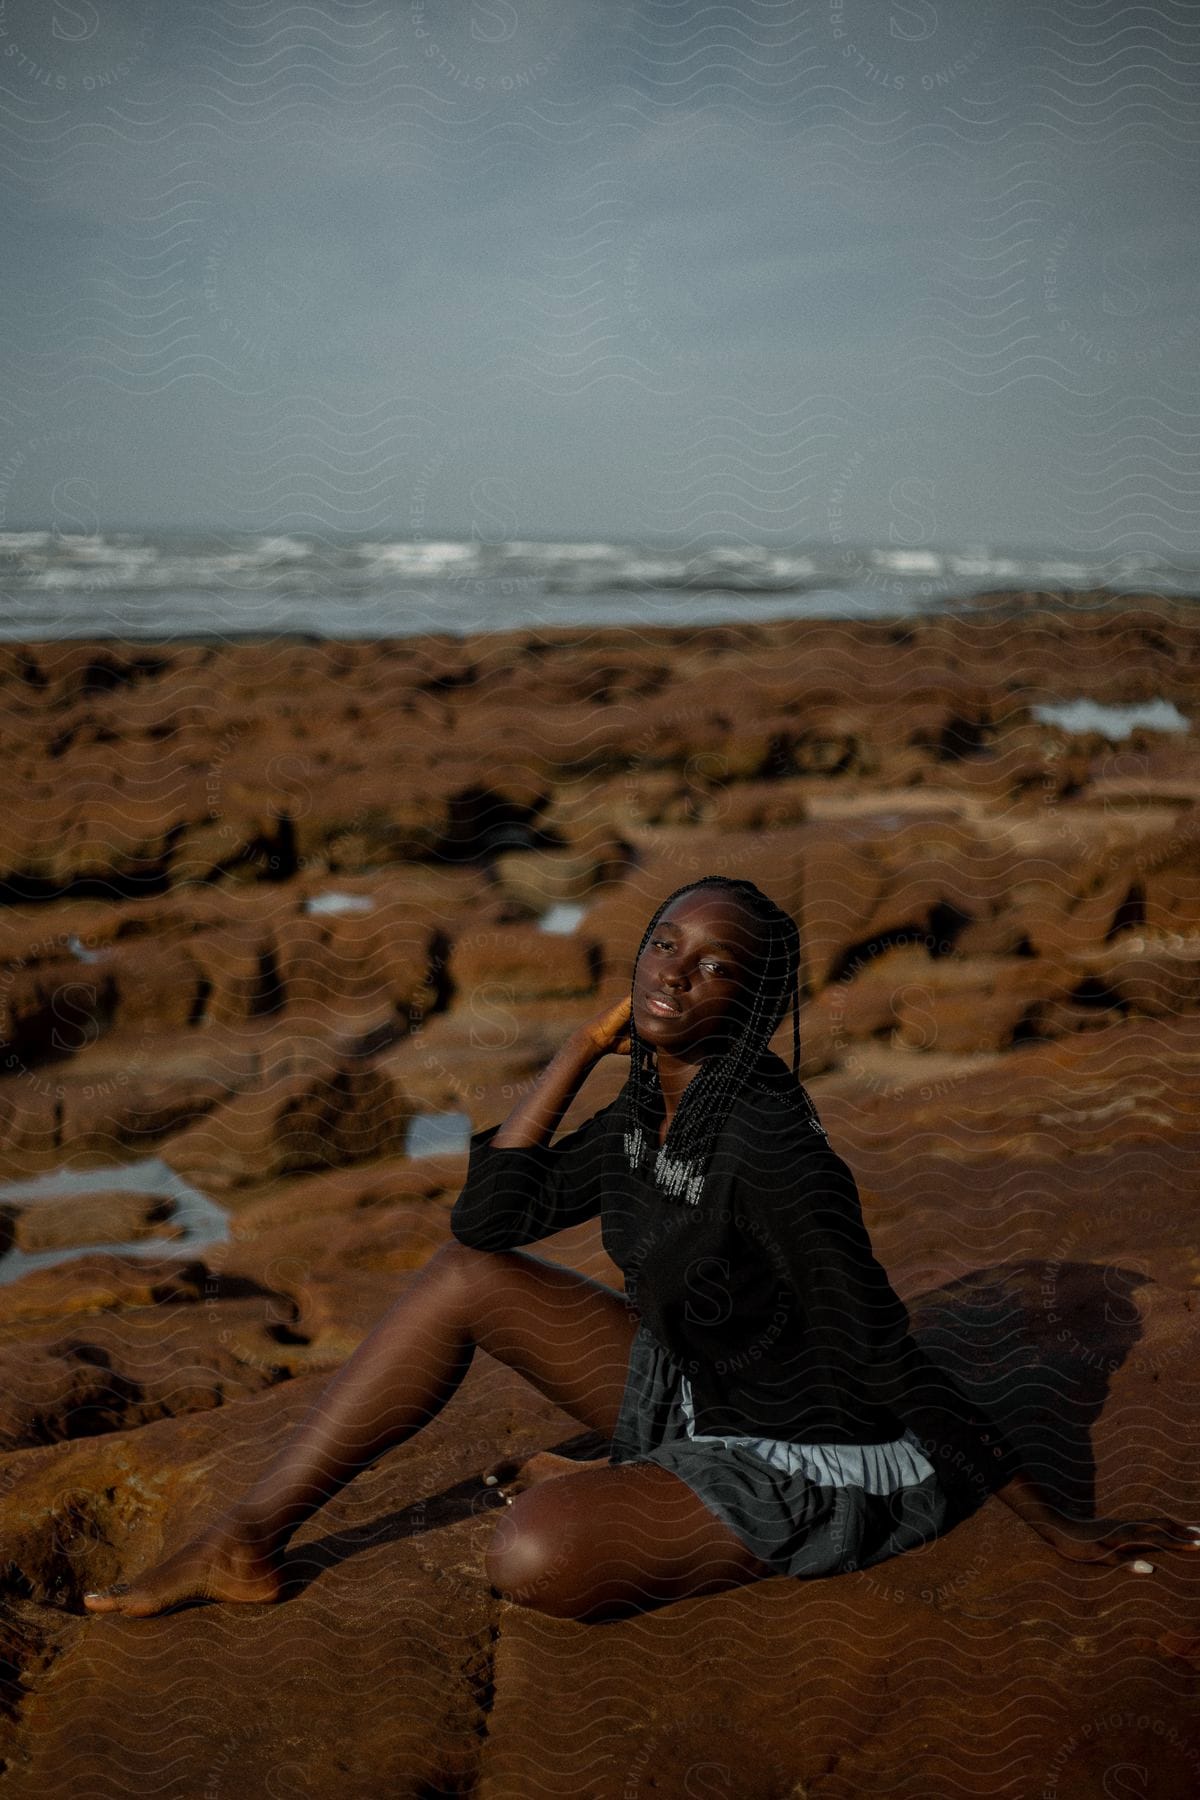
x,y
766,1292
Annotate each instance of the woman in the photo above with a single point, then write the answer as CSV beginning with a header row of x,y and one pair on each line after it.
x,y
767,1409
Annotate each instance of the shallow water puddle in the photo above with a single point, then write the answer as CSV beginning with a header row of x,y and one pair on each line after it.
x,y
1113,721
561,920
338,903
201,1220
438,1134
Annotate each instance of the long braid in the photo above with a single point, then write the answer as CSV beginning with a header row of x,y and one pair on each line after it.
x,y
719,1080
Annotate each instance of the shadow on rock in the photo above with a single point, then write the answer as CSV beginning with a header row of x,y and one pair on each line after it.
x,y
304,1563
1034,1344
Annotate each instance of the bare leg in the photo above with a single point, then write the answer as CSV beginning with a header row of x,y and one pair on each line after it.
x,y
614,1541
568,1335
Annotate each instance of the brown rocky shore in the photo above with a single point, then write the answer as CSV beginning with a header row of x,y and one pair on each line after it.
x,y
265,903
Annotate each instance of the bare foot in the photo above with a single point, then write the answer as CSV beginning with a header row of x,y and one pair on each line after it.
x,y
544,1465
213,1566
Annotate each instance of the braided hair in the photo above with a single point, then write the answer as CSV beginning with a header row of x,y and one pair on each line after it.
x,y
711,1092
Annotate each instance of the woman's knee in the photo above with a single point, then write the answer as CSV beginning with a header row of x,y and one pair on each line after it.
x,y
526,1563
555,1552
543,1550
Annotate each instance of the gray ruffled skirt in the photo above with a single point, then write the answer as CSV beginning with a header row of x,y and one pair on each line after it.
x,y
803,1509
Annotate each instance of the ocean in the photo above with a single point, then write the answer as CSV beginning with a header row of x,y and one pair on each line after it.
x,y
181,584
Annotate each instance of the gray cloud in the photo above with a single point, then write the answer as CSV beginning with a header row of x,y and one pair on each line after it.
x,y
653,270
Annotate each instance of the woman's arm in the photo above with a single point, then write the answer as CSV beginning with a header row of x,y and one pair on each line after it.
x,y
988,1453
1094,1540
519,1187
535,1118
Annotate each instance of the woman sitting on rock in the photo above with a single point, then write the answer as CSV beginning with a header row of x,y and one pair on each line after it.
x,y
767,1410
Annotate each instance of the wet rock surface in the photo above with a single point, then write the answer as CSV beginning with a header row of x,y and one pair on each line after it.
x,y
1000,1028
67,1221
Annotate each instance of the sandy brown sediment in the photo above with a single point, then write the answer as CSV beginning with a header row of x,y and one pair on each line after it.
x,y
1001,1029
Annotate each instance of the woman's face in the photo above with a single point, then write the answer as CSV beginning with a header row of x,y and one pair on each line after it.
x,y
695,976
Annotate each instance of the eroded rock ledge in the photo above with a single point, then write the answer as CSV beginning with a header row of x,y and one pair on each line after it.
x,y
266,902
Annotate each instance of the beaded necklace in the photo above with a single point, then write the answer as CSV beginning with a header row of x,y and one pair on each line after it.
x,y
679,1178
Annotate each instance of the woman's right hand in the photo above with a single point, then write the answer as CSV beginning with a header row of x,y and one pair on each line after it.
x,y
608,1033
536,1116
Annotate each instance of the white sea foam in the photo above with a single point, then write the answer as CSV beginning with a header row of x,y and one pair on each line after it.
x,y
165,583
909,562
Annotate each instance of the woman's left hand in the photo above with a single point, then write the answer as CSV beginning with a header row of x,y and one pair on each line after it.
x,y
1118,1540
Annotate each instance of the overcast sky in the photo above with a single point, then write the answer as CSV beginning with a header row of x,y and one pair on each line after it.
x,y
918,273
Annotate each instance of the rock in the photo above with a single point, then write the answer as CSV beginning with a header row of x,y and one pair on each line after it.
x,y
120,1371
541,880
240,970
498,968
393,1183
406,1537
62,1221
408,1534
125,1103
156,987
1000,1030
1159,975
30,1122
53,1009
96,1282
295,1123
